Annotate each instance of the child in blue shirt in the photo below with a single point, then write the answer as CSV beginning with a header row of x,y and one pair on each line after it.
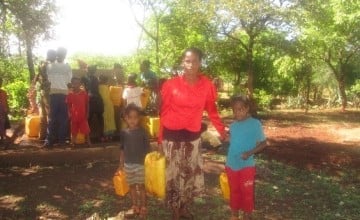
x,y
246,139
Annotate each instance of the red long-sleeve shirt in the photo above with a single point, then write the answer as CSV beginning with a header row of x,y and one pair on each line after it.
x,y
182,105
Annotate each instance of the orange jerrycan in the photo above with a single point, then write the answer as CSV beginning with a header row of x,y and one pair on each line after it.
x,y
120,184
155,174
32,125
224,185
80,138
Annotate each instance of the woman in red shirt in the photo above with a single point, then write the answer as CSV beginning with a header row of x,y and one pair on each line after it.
x,y
184,98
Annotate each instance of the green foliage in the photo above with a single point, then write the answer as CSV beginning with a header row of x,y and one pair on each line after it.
x,y
14,73
263,99
13,69
18,101
130,64
356,87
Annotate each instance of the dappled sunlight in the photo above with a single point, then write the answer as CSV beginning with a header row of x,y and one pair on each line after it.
x,y
11,202
48,211
105,184
28,171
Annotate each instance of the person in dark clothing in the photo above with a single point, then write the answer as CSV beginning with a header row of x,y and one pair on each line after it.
x,y
96,105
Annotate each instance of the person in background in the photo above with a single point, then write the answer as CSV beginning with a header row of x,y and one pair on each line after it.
x,y
59,75
44,87
96,105
134,145
246,139
150,81
108,114
184,98
118,80
78,105
118,75
147,76
4,110
132,92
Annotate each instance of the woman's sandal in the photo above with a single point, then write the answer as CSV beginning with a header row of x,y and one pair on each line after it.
x,y
143,212
135,209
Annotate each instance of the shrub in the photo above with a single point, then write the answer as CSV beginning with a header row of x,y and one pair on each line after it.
x,y
17,98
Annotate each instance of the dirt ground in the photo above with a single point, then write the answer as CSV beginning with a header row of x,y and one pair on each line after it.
x,y
327,140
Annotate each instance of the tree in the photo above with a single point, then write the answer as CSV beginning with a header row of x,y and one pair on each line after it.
x,y
29,21
153,11
331,28
244,21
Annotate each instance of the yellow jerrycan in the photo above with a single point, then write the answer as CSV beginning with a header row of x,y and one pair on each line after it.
x,y
116,95
120,184
145,98
154,126
224,185
155,174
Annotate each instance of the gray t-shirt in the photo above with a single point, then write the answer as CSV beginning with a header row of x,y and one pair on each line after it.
x,y
135,143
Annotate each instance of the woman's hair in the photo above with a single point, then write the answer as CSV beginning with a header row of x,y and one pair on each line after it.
x,y
132,107
244,100
194,50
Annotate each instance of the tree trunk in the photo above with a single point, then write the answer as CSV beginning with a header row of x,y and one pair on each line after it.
x,y
250,81
29,58
307,93
341,82
250,68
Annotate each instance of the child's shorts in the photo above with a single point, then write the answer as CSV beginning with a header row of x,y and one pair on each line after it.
x,y
135,173
241,183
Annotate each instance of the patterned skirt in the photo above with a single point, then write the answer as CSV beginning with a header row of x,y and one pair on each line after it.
x,y
184,172
135,173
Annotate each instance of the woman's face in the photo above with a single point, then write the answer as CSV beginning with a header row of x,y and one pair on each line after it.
x,y
191,63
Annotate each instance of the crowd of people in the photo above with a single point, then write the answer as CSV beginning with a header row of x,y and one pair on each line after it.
x,y
182,100
72,105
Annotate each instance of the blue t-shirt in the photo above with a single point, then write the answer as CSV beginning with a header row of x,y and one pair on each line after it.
x,y
244,136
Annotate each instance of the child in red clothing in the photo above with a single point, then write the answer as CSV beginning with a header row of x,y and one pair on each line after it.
x,y
78,107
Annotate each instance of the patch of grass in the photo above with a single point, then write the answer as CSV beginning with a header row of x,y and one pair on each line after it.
x,y
301,194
